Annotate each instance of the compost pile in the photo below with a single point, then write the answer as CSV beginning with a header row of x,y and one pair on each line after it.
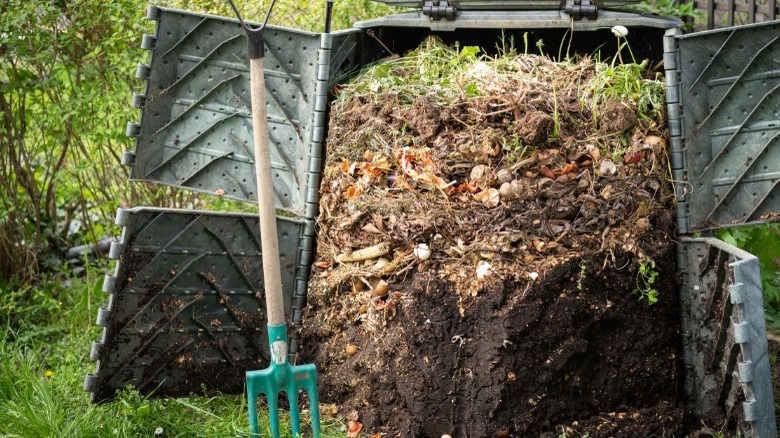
x,y
494,250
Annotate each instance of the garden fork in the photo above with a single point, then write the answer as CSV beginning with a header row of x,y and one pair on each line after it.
x,y
280,376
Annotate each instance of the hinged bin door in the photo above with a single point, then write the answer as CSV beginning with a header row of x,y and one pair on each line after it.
x,y
187,303
724,121
195,130
724,336
501,5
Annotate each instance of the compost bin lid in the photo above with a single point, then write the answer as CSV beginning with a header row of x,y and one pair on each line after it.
x,y
498,5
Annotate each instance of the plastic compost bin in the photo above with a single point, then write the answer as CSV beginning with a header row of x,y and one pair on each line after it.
x,y
184,308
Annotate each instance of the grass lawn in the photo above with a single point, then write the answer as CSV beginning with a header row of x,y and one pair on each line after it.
x,y
46,335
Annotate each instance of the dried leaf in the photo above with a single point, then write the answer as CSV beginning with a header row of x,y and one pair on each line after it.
x,y
382,162
654,141
544,170
418,164
587,162
593,151
354,428
606,192
634,158
571,167
371,228
369,170
353,192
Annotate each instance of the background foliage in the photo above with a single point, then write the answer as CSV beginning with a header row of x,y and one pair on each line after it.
x,y
66,78
63,84
764,242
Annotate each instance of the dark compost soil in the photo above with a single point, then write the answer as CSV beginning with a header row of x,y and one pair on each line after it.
x,y
556,356
481,256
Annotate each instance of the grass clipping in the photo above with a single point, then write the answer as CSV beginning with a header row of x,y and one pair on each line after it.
x,y
483,168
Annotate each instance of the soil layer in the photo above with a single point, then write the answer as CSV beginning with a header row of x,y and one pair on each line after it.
x,y
573,352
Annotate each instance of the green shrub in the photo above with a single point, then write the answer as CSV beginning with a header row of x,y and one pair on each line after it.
x,y
66,77
764,242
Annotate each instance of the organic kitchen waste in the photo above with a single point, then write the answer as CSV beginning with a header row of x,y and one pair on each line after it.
x,y
495,253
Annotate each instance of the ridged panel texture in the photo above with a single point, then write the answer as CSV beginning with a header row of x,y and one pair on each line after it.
x,y
502,5
724,336
729,86
195,129
187,302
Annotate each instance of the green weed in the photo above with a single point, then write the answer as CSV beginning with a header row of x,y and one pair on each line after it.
x,y
42,371
672,8
583,274
645,280
627,82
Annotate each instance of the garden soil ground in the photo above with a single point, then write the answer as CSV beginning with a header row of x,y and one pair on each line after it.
x,y
489,247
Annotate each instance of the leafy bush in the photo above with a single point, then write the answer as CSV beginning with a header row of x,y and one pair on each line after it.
x,y
685,10
764,242
305,15
66,77
63,99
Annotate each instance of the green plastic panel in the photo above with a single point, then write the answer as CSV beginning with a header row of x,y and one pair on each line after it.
x,y
195,129
187,304
522,19
724,336
724,119
503,5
